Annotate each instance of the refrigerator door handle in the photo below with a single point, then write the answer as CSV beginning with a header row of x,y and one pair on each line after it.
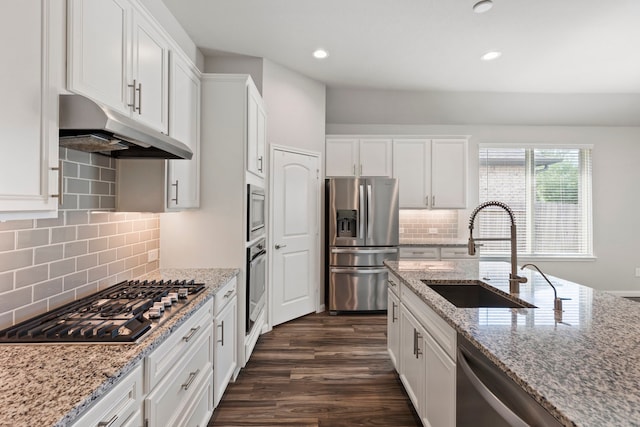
x,y
364,251
369,219
360,207
350,270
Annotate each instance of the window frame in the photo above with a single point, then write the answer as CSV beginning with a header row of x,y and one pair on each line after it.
x,y
587,211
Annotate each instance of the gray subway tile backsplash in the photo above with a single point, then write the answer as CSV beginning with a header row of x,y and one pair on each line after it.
x,y
49,262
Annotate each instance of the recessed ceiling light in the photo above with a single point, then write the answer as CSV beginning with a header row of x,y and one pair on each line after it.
x,y
320,53
490,56
482,6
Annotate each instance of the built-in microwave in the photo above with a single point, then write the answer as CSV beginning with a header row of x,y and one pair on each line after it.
x,y
255,212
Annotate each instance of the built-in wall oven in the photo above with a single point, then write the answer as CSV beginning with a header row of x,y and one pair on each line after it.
x,y
256,282
255,212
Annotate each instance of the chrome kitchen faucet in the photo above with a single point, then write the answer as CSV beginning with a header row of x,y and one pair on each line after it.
x,y
514,279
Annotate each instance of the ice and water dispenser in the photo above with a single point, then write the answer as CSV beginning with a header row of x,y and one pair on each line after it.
x,y
347,223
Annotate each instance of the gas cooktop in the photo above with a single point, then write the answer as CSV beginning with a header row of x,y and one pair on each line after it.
x,y
122,313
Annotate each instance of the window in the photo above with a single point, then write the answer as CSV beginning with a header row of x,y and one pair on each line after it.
x,y
549,191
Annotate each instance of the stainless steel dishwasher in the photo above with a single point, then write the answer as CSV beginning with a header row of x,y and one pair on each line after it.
x,y
487,397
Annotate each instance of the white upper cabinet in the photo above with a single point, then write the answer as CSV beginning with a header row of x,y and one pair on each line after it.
x,y
124,64
432,173
183,176
449,173
358,157
33,37
411,166
256,132
150,84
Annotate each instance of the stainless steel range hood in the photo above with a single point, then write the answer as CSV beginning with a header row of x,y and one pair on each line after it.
x,y
88,126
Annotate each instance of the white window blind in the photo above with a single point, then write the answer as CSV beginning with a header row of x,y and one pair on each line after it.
x,y
549,191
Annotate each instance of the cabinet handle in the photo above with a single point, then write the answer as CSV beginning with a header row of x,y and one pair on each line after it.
x,y
175,185
221,326
108,423
133,95
228,294
415,341
391,282
426,201
433,201
393,312
418,351
192,376
260,166
139,89
278,246
190,335
60,194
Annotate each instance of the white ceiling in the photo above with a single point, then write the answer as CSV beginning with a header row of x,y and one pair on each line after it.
x,y
549,46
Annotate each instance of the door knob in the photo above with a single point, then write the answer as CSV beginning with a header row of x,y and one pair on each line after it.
x,y
280,246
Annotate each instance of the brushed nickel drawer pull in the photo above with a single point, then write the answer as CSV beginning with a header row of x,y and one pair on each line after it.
x,y
60,194
108,423
133,94
192,376
221,326
228,294
190,335
175,185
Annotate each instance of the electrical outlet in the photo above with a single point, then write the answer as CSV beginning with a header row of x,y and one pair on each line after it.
x,y
433,231
637,271
152,255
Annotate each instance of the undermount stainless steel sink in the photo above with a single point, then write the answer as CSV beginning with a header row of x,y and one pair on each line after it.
x,y
474,294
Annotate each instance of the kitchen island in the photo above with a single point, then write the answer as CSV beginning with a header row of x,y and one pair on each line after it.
x,y
584,367
52,384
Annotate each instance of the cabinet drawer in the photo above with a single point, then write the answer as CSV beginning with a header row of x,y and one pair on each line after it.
x,y
167,403
224,295
120,407
440,330
393,283
198,415
455,252
419,253
164,358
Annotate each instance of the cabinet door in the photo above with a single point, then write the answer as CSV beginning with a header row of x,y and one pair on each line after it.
x,y
150,56
225,356
98,53
449,174
341,157
28,128
183,186
393,328
440,390
412,366
256,132
411,166
375,157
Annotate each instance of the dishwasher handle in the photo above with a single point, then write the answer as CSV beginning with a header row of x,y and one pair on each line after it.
x,y
503,410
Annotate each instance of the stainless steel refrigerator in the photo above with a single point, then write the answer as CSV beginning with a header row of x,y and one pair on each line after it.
x,y
362,232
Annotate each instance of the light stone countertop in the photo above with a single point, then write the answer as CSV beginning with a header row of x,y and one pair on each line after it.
x,y
584,369
51,384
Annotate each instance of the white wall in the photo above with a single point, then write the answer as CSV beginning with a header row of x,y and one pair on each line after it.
x,y
615,177
236,64
161,13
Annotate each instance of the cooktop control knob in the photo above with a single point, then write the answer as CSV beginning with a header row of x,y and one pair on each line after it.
x,y
158,306
183,292
166,301
173,296
154,313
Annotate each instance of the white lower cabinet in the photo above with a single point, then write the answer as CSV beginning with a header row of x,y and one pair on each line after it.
x,y
121,407
225,353
427,358
393,323
170,401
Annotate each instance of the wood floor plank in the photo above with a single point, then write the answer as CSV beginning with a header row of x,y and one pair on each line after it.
x,y
319,371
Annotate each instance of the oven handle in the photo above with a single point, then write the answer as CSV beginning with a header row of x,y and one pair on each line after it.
x,y
358,270
258,257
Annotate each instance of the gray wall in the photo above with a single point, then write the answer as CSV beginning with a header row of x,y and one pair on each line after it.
x,y
615,172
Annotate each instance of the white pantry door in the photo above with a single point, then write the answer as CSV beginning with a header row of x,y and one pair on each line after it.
x,y
295,216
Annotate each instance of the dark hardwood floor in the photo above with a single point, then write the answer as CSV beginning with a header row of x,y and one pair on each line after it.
x,y
319,370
